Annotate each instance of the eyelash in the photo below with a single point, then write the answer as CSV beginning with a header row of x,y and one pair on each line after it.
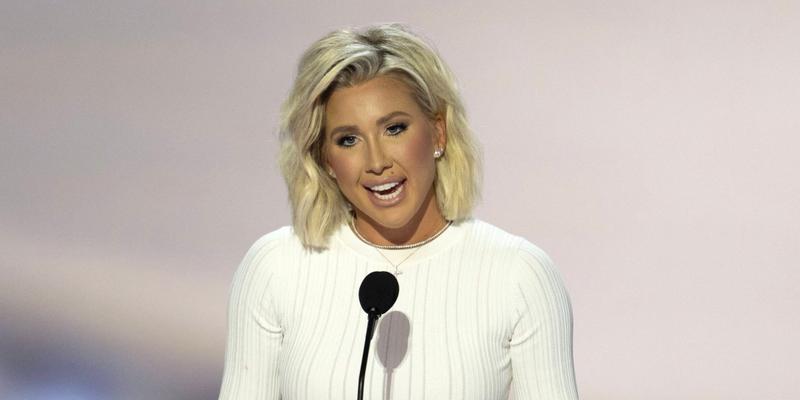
x,y
343,141
400,125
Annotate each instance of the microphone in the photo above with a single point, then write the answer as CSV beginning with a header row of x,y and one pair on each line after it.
x,y
377,294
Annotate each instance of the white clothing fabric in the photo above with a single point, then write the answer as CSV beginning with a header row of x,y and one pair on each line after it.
x,y
481,313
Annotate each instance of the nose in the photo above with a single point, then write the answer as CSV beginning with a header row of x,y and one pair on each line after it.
x,y
377,159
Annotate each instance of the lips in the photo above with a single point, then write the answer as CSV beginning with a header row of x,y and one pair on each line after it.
x,y
388,192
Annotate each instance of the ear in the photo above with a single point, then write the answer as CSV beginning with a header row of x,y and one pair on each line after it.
x,y
325,164
329,169
440,137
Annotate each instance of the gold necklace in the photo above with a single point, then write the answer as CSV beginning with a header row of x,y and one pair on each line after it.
x,y
415,246
397,266
399,246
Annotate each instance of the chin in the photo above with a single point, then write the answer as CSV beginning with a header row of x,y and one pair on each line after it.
x,y
391,219
391,223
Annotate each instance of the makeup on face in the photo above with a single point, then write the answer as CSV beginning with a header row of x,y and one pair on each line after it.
x,y
380,147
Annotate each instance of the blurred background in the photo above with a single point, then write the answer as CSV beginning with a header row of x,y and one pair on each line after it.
x,y
651,148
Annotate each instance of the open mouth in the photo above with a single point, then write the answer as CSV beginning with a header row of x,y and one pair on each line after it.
x,y
387,191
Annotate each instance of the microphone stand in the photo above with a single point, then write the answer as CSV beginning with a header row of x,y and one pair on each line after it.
x,y
377,294
372,317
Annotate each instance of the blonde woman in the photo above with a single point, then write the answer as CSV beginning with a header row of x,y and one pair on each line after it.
x,y
383,174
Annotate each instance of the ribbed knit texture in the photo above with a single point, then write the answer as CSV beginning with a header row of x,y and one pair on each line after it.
x,y
481,314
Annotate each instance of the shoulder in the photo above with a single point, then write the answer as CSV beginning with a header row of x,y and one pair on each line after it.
x,y
279,238
525,256
491,236
264,254
499,239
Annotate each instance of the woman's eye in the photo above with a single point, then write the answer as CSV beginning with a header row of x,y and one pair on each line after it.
x,y
396,129
346,141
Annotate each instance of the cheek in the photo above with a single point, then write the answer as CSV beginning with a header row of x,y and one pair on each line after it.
x,y
419,151
343,167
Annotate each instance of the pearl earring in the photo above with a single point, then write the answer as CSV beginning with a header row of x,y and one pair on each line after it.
x,y
437,153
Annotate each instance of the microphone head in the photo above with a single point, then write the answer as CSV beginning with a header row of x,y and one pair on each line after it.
x,y
378,292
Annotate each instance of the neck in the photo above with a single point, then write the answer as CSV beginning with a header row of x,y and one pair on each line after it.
x,y
425,223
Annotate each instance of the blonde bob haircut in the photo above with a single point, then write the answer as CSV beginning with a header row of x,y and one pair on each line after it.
x,y
345,58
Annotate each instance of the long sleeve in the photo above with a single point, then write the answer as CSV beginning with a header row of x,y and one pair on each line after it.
x,y
541,342
479,311
254,334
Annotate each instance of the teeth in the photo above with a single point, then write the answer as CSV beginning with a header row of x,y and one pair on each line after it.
x,y
389,196
385,186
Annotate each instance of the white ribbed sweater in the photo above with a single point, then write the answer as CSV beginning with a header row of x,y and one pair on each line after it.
x,y
478,308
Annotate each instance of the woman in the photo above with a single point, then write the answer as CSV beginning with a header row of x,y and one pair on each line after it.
x,y
382,175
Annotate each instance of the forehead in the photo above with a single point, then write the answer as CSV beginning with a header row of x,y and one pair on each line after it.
x,y
368,101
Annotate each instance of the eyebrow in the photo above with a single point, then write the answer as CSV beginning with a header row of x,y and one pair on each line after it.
x,y
382,120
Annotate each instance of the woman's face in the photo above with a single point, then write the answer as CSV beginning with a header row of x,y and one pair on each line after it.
x,y
379,147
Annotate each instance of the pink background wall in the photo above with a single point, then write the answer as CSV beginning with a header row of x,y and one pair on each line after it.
x,y
649,147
